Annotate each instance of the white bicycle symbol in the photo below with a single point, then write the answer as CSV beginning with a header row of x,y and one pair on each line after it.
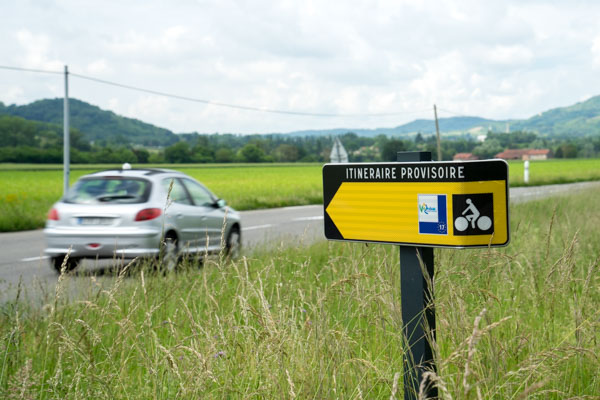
x,y
462,223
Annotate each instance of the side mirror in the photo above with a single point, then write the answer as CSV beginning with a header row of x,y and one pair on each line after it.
x,y
220,203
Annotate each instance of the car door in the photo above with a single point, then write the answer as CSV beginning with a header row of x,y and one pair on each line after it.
x,y
182,214
211,216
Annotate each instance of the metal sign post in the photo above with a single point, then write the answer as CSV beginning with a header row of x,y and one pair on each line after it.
x,y
418,204
418,312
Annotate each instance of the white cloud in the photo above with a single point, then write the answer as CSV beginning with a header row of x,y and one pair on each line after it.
x,y
12,95
510,55
113,104
35,51
149,108
497,59
596,51
168,41
98,67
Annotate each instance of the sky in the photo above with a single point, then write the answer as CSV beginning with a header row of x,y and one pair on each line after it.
x,y
324,64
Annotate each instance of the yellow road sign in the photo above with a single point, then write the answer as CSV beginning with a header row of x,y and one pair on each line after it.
x,y
440,204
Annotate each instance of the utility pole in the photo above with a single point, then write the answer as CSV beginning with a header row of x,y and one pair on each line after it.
x,y
66,140
437,131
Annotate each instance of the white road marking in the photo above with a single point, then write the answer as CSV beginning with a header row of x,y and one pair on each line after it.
x,y
34,258
250,228
318,217
299,207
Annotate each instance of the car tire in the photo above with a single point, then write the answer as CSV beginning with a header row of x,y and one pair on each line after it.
x,y
57,263
169,253
233,245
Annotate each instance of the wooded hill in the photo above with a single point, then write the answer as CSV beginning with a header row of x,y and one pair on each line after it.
x,y
105,127
33,133
97,125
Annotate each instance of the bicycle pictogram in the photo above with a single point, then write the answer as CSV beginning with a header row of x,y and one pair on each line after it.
x,y
474,219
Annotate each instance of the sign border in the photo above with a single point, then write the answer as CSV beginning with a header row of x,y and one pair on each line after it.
x,y
330,226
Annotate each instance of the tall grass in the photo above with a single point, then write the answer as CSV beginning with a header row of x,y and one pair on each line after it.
x,y
323,322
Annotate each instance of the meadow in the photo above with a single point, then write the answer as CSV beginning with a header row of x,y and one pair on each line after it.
x,y
28,191
320,322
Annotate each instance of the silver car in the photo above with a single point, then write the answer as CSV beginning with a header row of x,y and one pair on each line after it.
x,y
129,213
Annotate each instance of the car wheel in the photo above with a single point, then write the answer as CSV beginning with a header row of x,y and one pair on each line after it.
x,y
233,247
71,263
169,253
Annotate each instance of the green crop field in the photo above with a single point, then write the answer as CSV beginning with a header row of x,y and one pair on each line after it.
x,y
555,171
27,194
28,191
322,322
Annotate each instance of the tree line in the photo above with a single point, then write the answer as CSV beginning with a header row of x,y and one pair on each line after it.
x,y
25,141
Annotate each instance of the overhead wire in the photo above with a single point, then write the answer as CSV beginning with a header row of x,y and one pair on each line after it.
x,y
42,71
216,103
237,106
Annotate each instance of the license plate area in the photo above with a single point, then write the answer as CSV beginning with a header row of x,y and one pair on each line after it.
x,y
94,221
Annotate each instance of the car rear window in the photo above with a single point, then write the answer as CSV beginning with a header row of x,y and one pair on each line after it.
x,y
109,190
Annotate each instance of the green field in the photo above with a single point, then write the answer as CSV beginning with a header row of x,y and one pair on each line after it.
x,y
324,322
555,171
28,191
27,194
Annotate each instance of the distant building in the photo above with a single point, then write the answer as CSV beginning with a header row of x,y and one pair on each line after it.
x,y
524,154
465,157
538,154
338,152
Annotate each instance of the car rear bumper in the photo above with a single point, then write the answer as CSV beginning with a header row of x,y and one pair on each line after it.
x,y
104,243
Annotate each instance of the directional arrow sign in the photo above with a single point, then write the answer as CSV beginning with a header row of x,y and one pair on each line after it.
x,y
438,204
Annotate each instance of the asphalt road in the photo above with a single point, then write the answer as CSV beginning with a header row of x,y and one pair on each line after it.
x,y
23,252
23,259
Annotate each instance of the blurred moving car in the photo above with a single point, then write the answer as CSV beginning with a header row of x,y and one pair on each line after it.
x,y
129,213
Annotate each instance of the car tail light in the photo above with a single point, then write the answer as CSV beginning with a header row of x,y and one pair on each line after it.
x,y
53,215
148,214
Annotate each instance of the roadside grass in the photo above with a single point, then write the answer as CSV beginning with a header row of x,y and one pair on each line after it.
x,y
27,191
323,322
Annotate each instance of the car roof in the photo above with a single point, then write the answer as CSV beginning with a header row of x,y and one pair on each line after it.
x,y
137,172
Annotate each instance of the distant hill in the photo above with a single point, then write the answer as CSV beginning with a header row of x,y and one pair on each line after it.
x,y
96,124
581,119
424,126
101,126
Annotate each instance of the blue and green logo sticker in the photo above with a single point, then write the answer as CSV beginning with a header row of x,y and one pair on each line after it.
x,y
433,214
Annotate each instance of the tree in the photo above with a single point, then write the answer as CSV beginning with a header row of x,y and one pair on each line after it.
x,y
142,155
180,152
202,154
251,153
286,153
390,150
488,149
224,155
566,150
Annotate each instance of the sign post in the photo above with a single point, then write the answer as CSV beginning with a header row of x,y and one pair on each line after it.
x,y
418,204
418,312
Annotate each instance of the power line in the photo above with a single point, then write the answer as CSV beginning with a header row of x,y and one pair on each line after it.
x,y
237,106
41,71
216,103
